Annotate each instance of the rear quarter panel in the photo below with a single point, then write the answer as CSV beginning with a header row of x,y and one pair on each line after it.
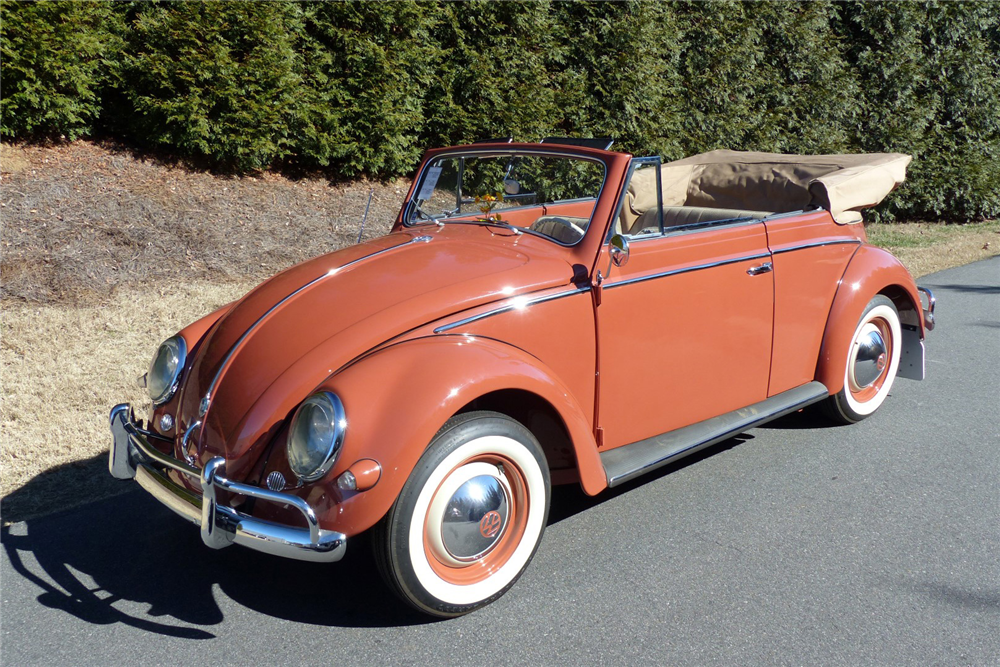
x,y
810,253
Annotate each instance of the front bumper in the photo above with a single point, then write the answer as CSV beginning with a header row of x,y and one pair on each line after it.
x,y
132,457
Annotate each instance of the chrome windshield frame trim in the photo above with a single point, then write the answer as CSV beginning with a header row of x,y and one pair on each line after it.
x,y
510,306
817,244
207,398
687,269
410,204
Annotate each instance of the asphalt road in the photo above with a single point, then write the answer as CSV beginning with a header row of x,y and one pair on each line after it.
x,y
877,543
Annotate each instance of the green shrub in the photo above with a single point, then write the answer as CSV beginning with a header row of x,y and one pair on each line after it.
x,y
931,89
365,87
55,59
215,79
366,67
492,79
764,77
618,74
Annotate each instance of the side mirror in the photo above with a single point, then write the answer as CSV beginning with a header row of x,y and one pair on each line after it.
x,y
619,250
511,187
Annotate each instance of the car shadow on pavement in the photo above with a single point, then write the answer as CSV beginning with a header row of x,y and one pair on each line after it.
x,y
569,499
970,289
104,561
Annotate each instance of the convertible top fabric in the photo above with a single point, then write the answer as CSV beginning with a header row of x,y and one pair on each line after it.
x,y
774,182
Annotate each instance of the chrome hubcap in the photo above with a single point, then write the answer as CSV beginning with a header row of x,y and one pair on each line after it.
x,y
475,517
870,357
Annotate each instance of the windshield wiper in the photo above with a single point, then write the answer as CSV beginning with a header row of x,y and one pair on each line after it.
x,y
425,216
499,223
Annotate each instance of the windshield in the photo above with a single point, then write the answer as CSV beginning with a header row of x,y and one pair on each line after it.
x,y
547,195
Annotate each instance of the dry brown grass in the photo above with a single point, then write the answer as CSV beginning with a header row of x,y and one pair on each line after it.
x,y
82,220
63,369
925,247
12,160
103,253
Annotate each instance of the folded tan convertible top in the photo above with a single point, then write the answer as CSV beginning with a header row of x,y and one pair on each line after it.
x,y
842,184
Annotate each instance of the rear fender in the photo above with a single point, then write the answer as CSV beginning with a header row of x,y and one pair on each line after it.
x,y
870,272
397,399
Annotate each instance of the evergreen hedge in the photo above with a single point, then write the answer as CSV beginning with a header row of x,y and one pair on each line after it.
x,y
55,60
364,88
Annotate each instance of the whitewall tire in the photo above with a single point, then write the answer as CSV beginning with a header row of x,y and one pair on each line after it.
x,y
872,362
469,518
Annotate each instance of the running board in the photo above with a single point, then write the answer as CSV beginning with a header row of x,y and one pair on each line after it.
x,y
628,462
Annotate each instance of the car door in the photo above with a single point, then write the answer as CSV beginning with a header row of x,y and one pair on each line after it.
x,y
684,328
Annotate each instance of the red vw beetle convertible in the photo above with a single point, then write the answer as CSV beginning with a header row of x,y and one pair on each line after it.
x,y
540,314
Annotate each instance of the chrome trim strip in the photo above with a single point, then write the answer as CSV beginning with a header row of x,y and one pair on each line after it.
x,y
509,307
132,456
184,441
154,435
207,399
689,269
818,244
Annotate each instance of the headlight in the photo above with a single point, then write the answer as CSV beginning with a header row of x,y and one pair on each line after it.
x,y
316,436
166,369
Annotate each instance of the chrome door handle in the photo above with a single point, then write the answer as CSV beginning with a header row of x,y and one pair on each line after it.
x,y
757,270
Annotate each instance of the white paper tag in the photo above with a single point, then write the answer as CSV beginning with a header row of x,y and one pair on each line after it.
x,y
430,181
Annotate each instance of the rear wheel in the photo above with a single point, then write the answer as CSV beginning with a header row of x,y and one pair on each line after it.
x,y
469,518
872,361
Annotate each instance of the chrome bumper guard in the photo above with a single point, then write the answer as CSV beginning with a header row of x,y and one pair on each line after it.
x,y
929,308
132,457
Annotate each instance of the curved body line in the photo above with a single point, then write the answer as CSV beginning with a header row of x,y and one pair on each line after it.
x,y
515,304
207,400
686,269
401,339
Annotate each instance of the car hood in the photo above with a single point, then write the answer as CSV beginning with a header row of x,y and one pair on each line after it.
x,y
356,298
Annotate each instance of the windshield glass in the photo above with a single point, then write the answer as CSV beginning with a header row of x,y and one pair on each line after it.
x,y
548,195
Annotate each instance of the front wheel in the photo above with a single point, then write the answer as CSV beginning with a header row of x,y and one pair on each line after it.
x,y
872,361
469,518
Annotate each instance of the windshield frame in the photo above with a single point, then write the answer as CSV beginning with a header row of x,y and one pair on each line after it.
x,y
412,215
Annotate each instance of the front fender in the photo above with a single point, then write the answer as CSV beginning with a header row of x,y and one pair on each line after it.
x,y
193,335
870,272
398,398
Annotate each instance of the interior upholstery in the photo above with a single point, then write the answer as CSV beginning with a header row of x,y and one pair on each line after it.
x,y
562,228
674,216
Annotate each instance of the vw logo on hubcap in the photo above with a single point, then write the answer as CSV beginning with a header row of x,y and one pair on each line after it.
x,y
475,518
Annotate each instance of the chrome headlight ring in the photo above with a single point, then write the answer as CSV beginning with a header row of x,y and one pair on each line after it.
x,y
316,436
165,369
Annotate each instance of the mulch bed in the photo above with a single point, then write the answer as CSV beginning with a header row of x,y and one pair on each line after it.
x,y
81,220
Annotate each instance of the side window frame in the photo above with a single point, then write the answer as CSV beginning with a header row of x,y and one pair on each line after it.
x,y
634,164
